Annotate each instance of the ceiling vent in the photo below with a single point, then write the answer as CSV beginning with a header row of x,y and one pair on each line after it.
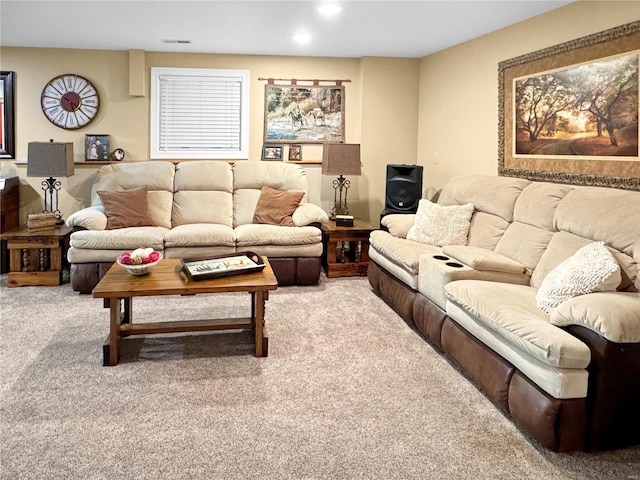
x,y
180,42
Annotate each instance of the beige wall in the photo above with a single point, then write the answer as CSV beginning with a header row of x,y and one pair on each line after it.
x,y
400,110
125,117
459,86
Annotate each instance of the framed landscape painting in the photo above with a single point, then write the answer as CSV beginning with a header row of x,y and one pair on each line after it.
x,y
303,114
569,113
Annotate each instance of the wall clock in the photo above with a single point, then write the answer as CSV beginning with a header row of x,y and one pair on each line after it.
x,y
70,101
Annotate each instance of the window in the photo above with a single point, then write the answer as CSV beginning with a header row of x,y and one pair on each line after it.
x,y
199,113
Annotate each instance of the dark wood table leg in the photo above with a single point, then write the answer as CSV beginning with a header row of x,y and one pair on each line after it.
x,y
262,341
111,348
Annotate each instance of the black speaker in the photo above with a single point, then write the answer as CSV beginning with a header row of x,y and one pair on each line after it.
x,y
404,188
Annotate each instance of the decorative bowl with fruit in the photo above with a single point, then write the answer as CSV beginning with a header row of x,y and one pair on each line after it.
x,y
139,262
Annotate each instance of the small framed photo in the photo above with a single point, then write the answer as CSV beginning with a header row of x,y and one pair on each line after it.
x,y
295,152
97,147
272,152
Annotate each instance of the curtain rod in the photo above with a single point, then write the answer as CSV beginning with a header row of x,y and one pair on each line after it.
x,y
294,80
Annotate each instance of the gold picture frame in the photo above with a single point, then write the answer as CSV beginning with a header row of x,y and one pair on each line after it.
x,y
619,171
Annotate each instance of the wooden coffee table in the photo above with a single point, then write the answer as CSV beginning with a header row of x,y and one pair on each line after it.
x,y
118,288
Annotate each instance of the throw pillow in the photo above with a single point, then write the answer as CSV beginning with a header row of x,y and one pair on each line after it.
x,y
126,208
592,268
438,225
275,207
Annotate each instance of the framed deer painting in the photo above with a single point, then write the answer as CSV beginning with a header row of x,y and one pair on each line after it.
x,y
303,114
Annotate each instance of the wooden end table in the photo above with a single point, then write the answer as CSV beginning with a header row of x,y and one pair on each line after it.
x,y
346,249
118,288
36,258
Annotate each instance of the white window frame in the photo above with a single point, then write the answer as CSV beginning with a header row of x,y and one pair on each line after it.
x,y
157,73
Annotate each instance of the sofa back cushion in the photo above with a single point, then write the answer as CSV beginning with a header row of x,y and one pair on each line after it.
x,y
593,214
156,176
203,193
494,199
250,176
526,239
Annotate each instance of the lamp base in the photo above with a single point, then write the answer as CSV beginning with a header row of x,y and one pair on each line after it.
x,y
340,187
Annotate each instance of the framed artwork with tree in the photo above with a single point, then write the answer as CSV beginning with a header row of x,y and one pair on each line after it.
x,y
569,113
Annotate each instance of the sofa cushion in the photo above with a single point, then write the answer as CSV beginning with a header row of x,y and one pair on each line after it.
x,y
483,260
199,235
538,202
592,268
203,193
614,315
602,214
564,244
202,207
259,234
250,177
157,176
400,251
524,243
438,225
494,195
126,208
119,239
510,311
486,230
275,207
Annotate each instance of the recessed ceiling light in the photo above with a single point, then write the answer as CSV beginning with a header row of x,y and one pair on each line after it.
x,y
302,37
329,9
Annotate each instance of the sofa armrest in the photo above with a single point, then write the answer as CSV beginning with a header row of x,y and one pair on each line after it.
x,y
612,315
307,214
91,218
398,224
483,260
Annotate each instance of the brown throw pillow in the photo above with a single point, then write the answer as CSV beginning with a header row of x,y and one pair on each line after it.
x,y
275,207
126,208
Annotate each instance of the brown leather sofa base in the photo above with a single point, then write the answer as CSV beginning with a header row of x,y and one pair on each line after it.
x,y
614,391
428,317
393,291
485,367
559,425
289,271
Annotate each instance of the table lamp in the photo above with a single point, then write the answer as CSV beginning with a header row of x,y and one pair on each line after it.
x,y
50,159
340,159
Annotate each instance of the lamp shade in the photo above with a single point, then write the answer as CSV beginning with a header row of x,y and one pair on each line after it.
x,y
341,159
50,159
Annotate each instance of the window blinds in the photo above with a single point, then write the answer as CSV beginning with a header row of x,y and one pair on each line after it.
x,y
199,113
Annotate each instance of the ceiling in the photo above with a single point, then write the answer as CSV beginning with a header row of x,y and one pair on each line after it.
x,y
393,28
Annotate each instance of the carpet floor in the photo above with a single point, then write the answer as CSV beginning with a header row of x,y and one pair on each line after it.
x,y
348,391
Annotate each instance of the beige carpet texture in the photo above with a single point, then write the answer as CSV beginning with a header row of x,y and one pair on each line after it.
x,y
348,391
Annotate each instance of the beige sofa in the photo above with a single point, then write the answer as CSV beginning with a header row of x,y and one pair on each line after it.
x,y
569,378
200,208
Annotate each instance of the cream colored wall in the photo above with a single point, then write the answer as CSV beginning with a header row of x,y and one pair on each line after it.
x,y
389,125
125,117
459,86
400,110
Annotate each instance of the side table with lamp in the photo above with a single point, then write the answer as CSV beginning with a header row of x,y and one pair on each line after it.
x,y
346,240
37,255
